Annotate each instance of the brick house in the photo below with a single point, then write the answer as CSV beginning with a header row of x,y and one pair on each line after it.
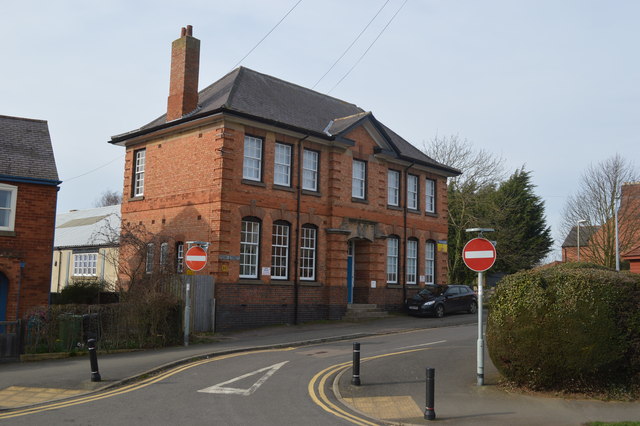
x,y
28,194
309,203
570,244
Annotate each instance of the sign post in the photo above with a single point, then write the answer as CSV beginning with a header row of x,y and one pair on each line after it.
x,y
196,259
479,254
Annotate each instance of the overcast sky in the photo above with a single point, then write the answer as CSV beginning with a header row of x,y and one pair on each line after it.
x,y
553,85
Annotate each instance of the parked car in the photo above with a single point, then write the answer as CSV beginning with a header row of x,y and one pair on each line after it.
x,y
437,300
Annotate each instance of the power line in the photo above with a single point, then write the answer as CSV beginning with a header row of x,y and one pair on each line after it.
x,y
267,35
371,45
97,168
351,45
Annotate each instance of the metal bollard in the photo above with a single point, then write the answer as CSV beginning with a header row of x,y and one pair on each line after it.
x,y
355,380
430,412
93,359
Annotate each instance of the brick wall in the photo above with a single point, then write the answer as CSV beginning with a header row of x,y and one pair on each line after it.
x,y
32,244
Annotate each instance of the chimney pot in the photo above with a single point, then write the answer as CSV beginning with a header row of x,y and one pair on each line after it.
x,y
183,32
190,30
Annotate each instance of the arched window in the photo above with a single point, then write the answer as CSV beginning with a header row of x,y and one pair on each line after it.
x,y
308,252
280,237
412,261
249,247
392,259
430,262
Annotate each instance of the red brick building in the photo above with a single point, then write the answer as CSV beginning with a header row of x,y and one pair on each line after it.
x,y
28,193
309,203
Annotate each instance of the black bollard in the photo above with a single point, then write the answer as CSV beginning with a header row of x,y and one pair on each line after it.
x,y
93,359
355,380
430,412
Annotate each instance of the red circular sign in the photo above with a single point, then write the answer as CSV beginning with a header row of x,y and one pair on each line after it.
x,y
196,258
479,254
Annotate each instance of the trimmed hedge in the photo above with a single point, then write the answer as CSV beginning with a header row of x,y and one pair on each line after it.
x,y
573,327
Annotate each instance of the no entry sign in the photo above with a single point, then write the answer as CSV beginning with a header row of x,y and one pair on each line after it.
x,y
195,258
479,254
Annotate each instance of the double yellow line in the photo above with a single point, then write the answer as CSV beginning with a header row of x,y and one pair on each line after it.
x,y
125,389
320,396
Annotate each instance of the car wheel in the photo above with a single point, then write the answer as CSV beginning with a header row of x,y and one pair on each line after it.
x,y
473,308
439,311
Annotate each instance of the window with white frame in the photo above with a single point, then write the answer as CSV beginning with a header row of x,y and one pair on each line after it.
x,y
138,175
412,261
149,264
85,264
430,262
249,247
430,191
282,165
392,260
359,180
308,249
164,252
280,250
252,164
8,197
310,170
393,187
412,192
179,257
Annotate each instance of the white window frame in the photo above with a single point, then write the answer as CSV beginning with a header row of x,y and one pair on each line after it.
x,y
430,196
412,192
310,162
308,252
282,164
85,264
252,162
280,250
393,187
179,257
140,158
10,207
412,261
148,267
249,248
430,262
393,244
359,179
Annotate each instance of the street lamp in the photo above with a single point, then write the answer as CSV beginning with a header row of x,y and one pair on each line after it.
x,y
579,222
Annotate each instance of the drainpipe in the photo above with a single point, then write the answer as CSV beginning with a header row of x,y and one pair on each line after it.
x,y
404,242
296,273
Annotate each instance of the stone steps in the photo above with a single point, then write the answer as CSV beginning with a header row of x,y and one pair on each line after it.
x,y
363,311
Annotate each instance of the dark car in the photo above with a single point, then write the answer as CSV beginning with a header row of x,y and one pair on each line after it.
x,y
437,300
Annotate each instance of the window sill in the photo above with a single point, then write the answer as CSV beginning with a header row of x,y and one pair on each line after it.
x,y
391,207
431,214
137,198
282,188
308,192
254,281
281,282
412,211
7,233
254,183
359,200
394,285
310,283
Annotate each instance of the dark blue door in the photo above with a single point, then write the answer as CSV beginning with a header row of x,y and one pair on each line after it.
x,y
4,292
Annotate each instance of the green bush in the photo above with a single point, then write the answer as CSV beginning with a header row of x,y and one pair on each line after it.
x,y
572,327
82,292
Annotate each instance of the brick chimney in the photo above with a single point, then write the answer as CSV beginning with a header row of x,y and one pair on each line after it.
x,y
185,66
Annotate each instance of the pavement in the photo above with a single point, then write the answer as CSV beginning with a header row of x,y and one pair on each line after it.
x,y
26,384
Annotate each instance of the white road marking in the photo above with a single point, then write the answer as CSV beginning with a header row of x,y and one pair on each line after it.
x,y
220,387
424,344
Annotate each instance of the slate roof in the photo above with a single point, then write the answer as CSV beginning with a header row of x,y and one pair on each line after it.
x,y
26,149
585,235
278,102
87,228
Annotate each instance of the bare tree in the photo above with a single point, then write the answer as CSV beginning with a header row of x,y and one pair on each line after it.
x,y
479,168
108,198
599,194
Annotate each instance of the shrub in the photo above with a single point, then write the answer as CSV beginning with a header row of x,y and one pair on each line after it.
x,y
82,292
573,327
